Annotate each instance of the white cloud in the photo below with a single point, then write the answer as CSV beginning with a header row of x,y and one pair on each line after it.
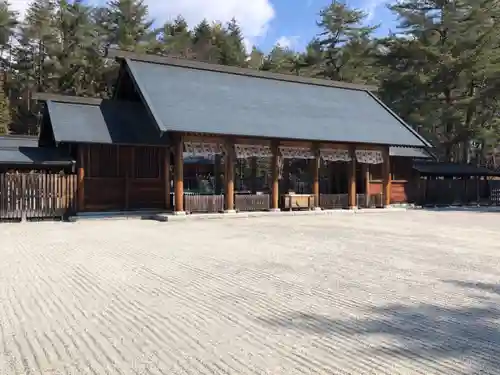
x,y
287,41
253,16
19,6
371,7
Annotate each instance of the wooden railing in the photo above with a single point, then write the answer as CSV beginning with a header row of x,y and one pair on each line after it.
x,y
252,202
37,196
376,200
333,201
195,203
361,200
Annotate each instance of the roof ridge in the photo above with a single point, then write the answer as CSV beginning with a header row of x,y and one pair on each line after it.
x,y
199,65
44,97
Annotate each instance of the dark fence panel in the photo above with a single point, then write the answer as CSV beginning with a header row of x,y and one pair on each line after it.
x,y
447,192
333,201
252,202
196,203
37,196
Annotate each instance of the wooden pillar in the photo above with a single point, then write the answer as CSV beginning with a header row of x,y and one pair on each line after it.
x,y
386,178
166,176
229,191
352,181
217,174
275,177
81,178
253,178
315,164
179,175
366,177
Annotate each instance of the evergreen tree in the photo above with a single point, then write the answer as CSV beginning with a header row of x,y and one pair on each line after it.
x,y
5,115
345,43
173,39
231,46
128,25
204,42
441,75
8,23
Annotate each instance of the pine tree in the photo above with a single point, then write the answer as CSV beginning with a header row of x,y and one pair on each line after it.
x,y
231,46
75,59
204,41
173,39
5,115
345,43
128,25
441,74
8,24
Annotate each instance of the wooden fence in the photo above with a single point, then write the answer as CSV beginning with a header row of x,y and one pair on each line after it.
x,y
31,196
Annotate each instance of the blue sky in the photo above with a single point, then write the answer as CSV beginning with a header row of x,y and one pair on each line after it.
x,y
298,23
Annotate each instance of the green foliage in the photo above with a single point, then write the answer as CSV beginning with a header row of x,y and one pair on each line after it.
x,y
5,116
440,72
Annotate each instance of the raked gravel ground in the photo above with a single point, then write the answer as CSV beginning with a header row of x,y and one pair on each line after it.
x,y
377,293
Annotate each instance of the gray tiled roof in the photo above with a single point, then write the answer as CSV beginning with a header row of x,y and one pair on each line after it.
x,y
36,156
107,122
207,101
14,141
410,152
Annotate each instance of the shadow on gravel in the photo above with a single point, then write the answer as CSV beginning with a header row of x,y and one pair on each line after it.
x,y
424,333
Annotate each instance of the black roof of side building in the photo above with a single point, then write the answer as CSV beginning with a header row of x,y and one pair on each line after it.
x,y
189,96
16,151
443,169
87,120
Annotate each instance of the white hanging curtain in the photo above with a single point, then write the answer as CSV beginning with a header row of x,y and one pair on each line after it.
x,y
250,151
369,156
335,155
296,152
203,149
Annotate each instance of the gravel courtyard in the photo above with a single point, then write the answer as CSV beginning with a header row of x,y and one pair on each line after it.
x,y
374,293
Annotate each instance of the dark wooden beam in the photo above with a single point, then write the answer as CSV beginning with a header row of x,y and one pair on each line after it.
x,y
184,63
315,174
81,178
166,177
352,181
229,163
179,175
386,178
366,177
275,177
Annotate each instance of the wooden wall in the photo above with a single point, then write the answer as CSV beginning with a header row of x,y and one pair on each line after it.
x,y
122,177
403,180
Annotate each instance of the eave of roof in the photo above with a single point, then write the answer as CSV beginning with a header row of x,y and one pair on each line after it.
x,y
410,152
440,169
34,156
15,141
88,120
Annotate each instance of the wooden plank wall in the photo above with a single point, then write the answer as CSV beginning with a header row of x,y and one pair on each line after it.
x,y
123,177
37,196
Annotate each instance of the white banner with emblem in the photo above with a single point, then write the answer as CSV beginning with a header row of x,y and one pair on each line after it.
x,y
296,152
203,149
369,156
330,154
250,151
